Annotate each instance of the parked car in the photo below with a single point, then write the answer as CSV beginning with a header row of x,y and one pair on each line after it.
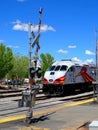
x,y
8,82
16,82
13,82
26,81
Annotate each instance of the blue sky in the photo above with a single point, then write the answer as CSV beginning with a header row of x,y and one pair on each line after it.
x,y
67,30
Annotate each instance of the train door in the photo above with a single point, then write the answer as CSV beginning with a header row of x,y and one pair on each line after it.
x,y
70,75
78,76
92,72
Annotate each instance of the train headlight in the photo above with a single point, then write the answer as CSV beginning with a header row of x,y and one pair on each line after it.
x,y
60,80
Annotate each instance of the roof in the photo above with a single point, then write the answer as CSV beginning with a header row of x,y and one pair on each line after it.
x,y
66,62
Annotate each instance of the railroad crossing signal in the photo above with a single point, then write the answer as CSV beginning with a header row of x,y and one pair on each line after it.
x,y
33,71
36,40
29,96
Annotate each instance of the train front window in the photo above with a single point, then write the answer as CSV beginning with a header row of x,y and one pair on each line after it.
x,y
57,68
51,68
63,68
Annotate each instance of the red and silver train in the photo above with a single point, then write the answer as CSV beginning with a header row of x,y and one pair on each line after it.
x,y
68,76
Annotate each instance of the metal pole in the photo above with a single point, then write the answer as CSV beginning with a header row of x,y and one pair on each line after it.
x,y
96,48
29,49
32,94
96,91
39,27
96,55
30,111
40,20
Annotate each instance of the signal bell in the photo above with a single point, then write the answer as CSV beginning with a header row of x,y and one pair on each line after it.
x,y
38,72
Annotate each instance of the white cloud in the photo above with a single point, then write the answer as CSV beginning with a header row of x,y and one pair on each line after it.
x,y
72,46
76,59
10,46
1,41
89,61
21,0
21,27
46,28
18,25
17,22
62,51
89,52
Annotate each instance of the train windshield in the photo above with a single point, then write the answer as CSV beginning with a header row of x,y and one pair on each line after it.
x,y
63,68
51,68
58,68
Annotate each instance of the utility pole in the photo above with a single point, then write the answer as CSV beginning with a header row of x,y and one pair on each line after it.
x,y
96,54
95,83
96,48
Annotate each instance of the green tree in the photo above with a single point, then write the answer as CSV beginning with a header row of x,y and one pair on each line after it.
x,y
6,57
46,60
24,66
20,67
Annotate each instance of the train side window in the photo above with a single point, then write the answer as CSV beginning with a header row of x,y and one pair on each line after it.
x,y
63,68
71,69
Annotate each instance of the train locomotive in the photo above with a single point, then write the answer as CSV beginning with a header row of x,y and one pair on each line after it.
x,y
67,76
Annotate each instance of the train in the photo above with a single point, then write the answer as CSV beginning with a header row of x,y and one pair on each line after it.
x,y
66,76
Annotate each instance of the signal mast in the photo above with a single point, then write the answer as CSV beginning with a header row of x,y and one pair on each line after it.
x,y
96,49
30,96
35,41
96,42
95,83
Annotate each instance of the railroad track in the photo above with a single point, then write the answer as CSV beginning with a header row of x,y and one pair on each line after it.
x,y
8,95
9,101
17,94
10,107
14,92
